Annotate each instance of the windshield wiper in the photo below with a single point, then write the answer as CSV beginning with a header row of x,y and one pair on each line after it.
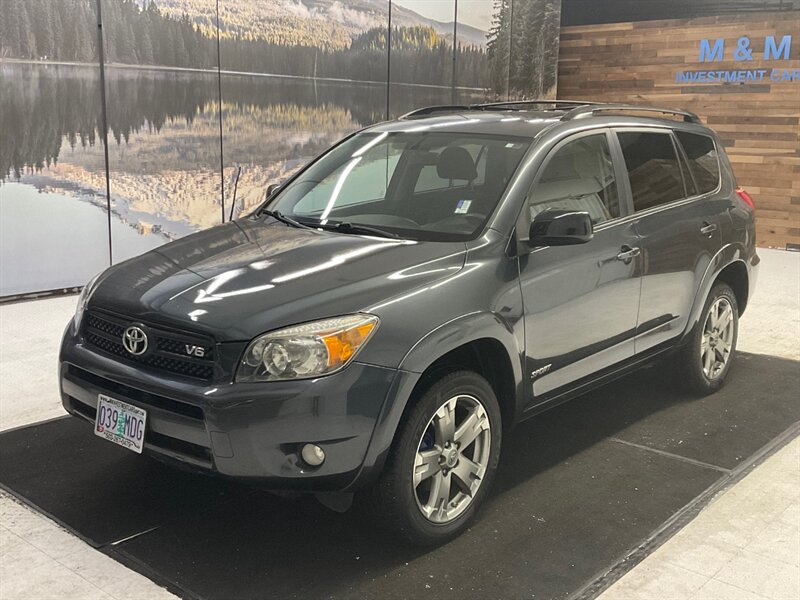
x,y
345,227
342,227
276,214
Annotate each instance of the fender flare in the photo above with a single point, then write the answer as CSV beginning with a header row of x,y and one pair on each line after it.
x,y
458,332
725,257
430,347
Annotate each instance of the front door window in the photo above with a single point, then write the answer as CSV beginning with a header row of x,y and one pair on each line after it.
x,y
579,176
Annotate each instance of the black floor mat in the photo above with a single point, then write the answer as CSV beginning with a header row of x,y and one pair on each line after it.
x,y
578,487
103,492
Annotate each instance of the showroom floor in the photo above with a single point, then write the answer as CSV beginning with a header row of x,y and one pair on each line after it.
x,y
745,543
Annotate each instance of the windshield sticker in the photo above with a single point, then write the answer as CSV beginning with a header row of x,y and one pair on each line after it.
x,y
462,207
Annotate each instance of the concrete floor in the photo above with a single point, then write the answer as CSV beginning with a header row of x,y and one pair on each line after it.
x,y
771,323
30,334
745,544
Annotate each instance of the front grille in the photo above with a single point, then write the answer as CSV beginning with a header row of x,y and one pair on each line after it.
x,y
167,350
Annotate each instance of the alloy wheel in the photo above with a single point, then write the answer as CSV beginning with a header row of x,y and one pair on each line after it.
x,y
452,457
717,341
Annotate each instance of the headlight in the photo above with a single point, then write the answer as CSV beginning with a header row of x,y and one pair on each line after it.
x,y
307,350
83,299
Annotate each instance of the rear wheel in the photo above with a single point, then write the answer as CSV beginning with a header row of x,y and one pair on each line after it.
x,y
443,461
706,358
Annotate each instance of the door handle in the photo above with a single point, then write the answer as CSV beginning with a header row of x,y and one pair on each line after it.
x,y
708,228
628,254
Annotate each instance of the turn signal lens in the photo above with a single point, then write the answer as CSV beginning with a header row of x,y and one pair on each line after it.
x,y
307,350
343,345
746,198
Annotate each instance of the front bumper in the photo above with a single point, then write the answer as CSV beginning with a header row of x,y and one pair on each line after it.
x,y
252,431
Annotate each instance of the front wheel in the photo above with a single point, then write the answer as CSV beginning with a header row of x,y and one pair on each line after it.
x,y
443,461
706,358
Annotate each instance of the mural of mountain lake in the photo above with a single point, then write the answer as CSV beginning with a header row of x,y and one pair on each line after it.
x,y
51,241
164,155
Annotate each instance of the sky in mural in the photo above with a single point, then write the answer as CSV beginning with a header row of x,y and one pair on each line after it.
x,y
479,14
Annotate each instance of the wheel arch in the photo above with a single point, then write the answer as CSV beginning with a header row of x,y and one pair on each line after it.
x,y
485,356
730,266
479,341
736,276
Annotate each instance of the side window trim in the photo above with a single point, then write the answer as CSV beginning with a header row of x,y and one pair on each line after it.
x,y
683,167
619,170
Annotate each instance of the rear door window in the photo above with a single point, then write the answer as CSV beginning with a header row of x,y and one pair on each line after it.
x,y
701,153
653,168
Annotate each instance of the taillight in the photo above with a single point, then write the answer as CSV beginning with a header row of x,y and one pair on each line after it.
x,y
746,198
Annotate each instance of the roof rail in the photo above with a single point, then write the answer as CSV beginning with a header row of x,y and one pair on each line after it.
x,y
591,109
520,103
509,105
429,110
577,108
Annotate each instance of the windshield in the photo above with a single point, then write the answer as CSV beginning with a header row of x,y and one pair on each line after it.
x,y
422,185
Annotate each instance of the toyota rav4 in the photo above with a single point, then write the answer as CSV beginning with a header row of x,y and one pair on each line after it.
x,y
381,321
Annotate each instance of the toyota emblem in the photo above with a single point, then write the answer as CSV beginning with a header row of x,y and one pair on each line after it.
x,y
135,340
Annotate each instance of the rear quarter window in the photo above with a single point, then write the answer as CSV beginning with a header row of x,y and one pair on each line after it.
x,y
703,159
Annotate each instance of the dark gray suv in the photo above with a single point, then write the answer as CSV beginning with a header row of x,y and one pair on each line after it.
x,y
394,308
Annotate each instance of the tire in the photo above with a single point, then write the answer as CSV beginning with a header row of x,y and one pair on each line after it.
x,y
700,372
409,496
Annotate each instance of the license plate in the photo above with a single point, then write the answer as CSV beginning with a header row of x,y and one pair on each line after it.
x,y
120,423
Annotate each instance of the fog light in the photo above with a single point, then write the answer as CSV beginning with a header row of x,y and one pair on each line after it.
x,y
313,455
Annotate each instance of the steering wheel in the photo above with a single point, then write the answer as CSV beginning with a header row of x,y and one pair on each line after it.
x,y
402,222
463,223
382,220
475,219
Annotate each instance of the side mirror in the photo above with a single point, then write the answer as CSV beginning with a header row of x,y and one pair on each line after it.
x,y
271,189
561,228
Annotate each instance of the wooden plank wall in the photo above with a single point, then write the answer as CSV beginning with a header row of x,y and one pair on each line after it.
x,y
585,12
758,121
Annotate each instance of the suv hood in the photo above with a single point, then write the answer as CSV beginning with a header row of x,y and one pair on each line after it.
x,y
244,278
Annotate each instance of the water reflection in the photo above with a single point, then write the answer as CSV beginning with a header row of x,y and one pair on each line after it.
x,y
41,108
164,143
45,106
49,242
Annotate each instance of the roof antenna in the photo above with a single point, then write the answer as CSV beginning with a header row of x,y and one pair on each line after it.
x,y
235,187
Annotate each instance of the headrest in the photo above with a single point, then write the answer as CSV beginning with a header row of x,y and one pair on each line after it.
x,y
557,191
456,163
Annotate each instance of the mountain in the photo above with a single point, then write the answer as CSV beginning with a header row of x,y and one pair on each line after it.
x,y
330,24
402,16
467,34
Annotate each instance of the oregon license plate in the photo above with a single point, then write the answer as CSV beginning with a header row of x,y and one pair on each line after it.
x,y
120,423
